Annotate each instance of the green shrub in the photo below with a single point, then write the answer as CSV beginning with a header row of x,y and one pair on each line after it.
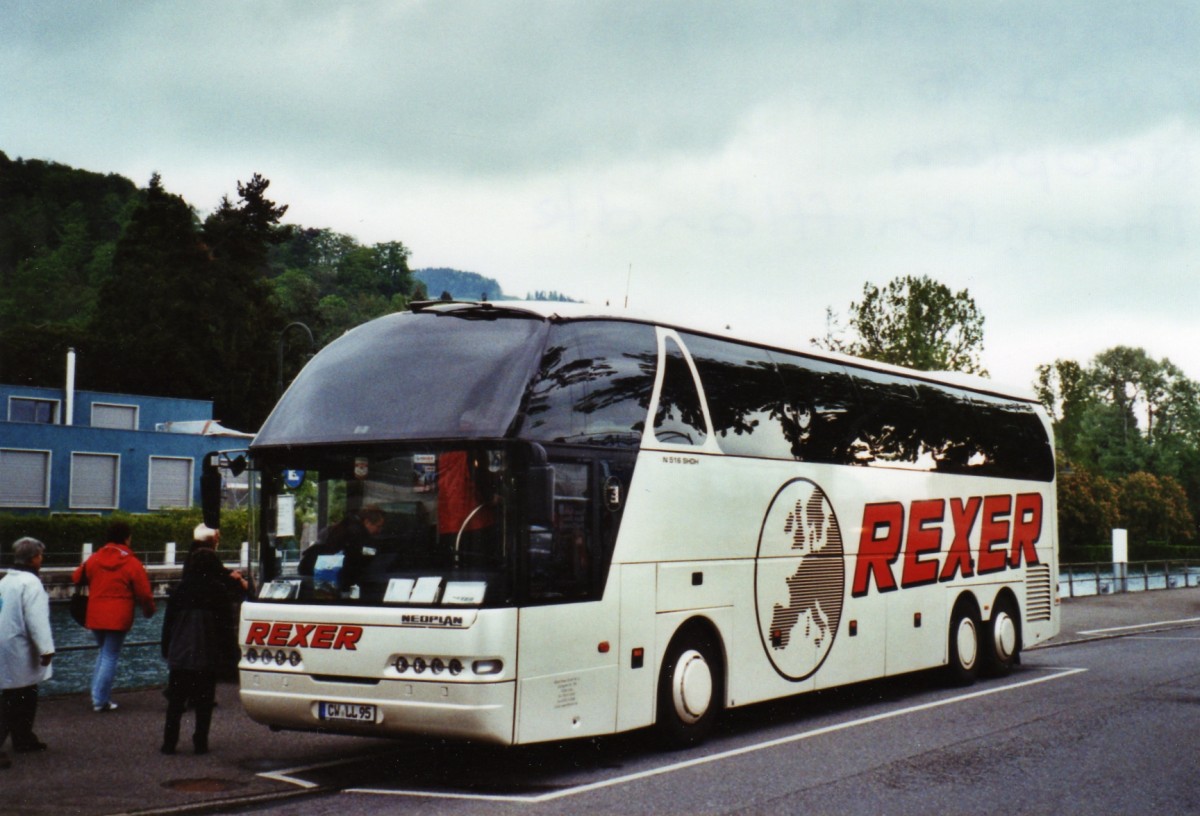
x,y
64,535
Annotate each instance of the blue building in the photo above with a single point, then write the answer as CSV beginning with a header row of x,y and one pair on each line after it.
x,y
68,451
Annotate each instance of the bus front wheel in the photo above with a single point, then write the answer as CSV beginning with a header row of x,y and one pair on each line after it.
x,y
963,665
689,690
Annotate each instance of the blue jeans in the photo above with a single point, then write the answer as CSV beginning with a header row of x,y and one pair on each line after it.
x,y
106,664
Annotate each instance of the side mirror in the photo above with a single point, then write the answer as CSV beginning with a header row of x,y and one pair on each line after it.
x,y
539,489
539,509
210,489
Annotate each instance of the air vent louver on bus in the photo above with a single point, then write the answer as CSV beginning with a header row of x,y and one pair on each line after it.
x,y
1038,595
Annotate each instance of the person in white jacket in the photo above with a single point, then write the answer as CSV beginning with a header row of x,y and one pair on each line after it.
x,y
26,647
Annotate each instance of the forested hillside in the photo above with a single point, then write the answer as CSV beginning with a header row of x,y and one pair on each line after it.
x,y
157,300
459,285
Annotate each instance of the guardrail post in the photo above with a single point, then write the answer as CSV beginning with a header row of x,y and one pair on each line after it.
x,y
1120,558
169,555
245,556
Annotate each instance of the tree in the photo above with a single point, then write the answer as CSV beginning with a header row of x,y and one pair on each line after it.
x,y
159,299
1087,512
243,337
915,322
1064,388
1154,509
58,227
187,311
1134,421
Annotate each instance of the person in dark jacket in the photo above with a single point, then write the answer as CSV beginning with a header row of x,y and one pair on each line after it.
x,y
195,641
237,589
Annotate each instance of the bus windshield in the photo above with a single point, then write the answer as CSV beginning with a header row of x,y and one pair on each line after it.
x,y
411,376
429,526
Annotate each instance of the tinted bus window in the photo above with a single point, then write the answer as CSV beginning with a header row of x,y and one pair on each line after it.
x,y
950,428
1013,439
889,428
680,419
745,397
594,384
820,403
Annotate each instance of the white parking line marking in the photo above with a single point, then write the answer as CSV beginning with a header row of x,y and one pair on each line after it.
x,y
286,774
692,763
1137,626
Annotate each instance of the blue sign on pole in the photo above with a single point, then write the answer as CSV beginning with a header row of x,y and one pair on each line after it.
x,y
293,478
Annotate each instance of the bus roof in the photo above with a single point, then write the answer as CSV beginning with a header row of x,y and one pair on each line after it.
x,y
566,311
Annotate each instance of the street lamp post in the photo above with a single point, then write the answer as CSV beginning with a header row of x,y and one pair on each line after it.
x,y
312,345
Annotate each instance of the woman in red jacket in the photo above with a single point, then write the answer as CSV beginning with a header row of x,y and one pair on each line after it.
x,y
116,582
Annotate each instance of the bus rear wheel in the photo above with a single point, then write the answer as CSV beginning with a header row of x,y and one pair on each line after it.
x,y
1002,640
690,690
963,665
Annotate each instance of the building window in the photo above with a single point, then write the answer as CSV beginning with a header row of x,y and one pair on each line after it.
x,y
170,482
94,480
31,409
24,478
120,417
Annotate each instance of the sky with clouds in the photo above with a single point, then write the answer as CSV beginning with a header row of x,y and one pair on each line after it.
x,y
748,163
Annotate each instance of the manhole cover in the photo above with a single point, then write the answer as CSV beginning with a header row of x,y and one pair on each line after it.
x,y
202,785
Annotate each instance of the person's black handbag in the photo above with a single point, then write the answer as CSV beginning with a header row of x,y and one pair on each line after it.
x,y
79,601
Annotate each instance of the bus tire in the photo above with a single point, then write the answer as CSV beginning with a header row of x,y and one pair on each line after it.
x,y
1002,639
690,689
964,641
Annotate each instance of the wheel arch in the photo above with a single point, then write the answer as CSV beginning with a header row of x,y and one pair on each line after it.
x,y
1006,595
968,600
702,626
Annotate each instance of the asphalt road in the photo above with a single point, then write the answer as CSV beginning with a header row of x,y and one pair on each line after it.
x,y
1105,726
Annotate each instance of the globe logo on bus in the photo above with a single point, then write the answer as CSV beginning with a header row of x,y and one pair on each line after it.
x,y
799,579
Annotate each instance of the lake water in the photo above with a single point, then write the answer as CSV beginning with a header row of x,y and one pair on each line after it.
x,y
1082,580
139,666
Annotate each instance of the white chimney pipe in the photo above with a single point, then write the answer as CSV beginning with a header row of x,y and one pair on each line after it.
x,y
69,414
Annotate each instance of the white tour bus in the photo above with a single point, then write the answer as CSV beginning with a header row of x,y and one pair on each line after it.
x,y
519,522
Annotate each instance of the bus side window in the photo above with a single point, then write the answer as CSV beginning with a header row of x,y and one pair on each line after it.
x,y
818,417
745,396
679,419
888,423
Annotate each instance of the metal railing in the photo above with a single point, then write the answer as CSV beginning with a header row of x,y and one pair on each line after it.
x,y
1103,578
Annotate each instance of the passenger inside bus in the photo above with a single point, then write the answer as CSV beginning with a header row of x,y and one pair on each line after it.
x,y
466,508
342,552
